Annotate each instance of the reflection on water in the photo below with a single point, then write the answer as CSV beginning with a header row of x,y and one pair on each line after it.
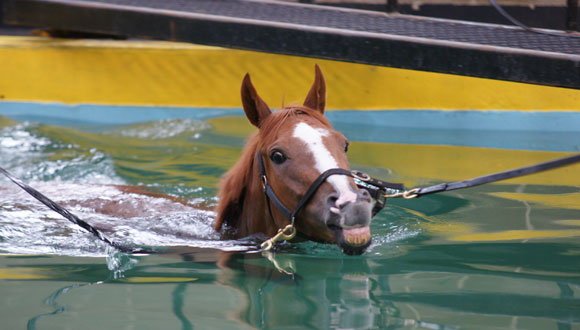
x,y
431,287
498,256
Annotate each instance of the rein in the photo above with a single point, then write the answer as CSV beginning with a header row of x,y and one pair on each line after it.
x,y
526,170
71,217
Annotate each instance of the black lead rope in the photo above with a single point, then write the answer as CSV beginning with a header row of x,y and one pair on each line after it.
x,y
552,164
71,217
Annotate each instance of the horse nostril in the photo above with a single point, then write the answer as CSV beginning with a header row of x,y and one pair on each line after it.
x,y
331,203
364,195
331,200
341,206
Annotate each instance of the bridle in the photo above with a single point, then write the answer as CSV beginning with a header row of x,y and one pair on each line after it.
x,y
376,188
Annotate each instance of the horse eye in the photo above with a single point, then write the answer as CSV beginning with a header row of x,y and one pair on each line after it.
x,y
346,146
278,157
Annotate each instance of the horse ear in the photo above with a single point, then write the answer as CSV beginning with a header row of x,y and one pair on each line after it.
x,y
255,108
316,98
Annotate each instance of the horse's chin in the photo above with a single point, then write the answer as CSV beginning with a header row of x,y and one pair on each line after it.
x,y
352,241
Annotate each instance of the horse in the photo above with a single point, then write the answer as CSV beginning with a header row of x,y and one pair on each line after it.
x,y
291,150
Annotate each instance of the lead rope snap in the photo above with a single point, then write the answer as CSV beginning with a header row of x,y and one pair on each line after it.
x,y
408,194
287,233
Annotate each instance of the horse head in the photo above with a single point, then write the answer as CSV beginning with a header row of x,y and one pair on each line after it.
x,y
290,151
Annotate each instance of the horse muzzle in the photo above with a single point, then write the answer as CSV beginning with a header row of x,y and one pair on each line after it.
x,y
350,222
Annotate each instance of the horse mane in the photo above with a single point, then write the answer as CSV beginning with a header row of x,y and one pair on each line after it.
x,y
235,182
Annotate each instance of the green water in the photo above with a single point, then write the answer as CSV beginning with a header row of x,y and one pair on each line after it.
x,y
495,256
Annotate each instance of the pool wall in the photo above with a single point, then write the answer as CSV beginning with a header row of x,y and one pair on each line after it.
x,y
36,69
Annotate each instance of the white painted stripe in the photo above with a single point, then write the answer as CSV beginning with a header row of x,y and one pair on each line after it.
x,y
324,160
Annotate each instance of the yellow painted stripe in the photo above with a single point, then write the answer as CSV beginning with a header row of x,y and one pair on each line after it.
x,y
516,235
564,201
445,228
572,222
174,74
416,165
467,232
18,273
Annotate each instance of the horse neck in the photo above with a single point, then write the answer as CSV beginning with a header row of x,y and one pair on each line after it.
x,y
255,217
242,205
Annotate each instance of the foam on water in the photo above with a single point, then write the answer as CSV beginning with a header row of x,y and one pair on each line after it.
x,y
162,129
26,226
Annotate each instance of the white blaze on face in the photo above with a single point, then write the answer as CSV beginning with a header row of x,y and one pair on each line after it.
x,y
323,159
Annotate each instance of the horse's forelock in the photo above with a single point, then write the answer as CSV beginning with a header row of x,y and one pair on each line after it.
x,y
272,126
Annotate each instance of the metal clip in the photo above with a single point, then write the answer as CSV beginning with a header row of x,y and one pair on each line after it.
x,y
360,176
408,194
264,182
268,244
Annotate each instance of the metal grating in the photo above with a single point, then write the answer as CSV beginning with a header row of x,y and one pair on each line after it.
x,y
354,20
402,41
